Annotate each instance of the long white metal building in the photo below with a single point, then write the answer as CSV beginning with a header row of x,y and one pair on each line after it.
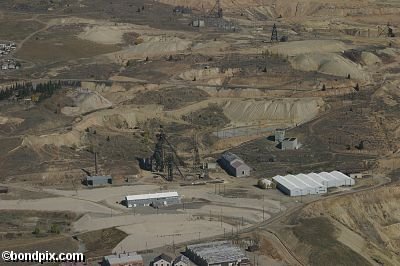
x,y
155,199
311,184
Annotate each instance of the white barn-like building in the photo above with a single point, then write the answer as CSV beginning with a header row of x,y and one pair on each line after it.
x,y
311,184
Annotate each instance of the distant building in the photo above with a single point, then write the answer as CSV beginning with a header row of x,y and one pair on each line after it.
x,y
199,23
290,144
182,10
279,135
217,253
209,165
123,259
93,181
234,165
154,200
356,175
162,260
182,260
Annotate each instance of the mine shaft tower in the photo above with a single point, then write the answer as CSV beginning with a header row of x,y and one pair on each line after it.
x,y
165,157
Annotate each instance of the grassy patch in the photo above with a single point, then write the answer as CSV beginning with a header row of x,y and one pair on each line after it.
x,y
101,242
319,234
212,116
26,222
16,30
63,50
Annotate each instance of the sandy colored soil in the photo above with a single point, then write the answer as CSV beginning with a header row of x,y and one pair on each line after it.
x,y
85,102
55,204
370,215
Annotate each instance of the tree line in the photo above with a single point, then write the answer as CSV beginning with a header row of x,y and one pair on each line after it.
x,y
43,90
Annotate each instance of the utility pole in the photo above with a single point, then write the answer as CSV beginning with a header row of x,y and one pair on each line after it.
x,y
274,35
263,214
221,217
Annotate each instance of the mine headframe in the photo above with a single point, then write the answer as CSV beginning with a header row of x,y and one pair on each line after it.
x,y
158,157
386,31
274,35
217,10
165,158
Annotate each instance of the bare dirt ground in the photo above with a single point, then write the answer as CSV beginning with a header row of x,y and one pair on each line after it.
x,y
127,67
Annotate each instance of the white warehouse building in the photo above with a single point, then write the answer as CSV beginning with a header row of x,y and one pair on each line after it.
x,y
311,184
155,199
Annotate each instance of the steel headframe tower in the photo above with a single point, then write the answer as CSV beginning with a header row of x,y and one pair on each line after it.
x,y
219,8
170,165
274,35
159,152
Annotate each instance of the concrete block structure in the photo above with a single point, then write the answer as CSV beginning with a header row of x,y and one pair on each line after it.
x,y
123,259
199,23
93,181
311,184
356,175
154,200
279,135
234,165
220,253
290,144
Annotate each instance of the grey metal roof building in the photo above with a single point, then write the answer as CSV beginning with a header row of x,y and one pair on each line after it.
x,y
234,165
311,184
162,260
98,180
182,260
131,258
221,253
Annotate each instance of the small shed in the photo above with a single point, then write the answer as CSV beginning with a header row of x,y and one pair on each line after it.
x,y
356,175
265,183
93,181
209,165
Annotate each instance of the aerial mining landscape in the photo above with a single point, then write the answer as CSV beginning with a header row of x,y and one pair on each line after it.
x,y
201,132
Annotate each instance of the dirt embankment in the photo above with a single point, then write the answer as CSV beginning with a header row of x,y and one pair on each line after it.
x,y
373,215
287,110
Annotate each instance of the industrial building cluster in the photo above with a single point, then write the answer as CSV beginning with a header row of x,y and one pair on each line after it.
x,y
205,254
7,48
311,184
9,64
